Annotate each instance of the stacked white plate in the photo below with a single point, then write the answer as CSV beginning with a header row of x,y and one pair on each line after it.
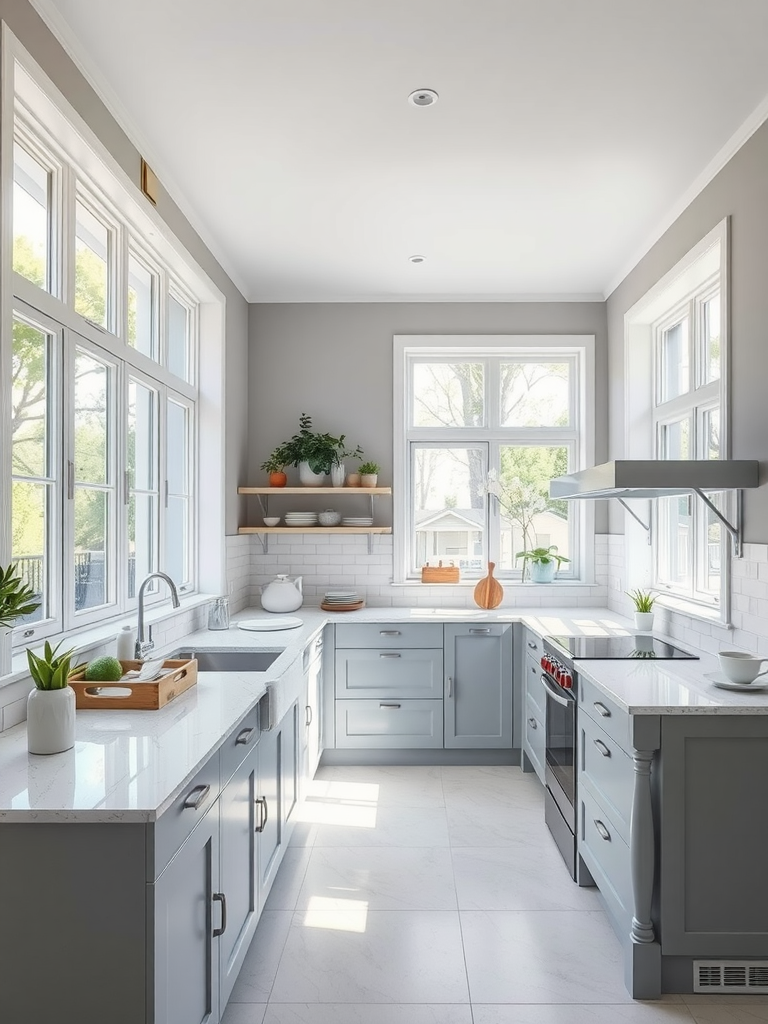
x,y
340,597
301,518
357,521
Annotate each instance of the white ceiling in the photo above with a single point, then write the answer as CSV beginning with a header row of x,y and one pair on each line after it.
x,y
566,135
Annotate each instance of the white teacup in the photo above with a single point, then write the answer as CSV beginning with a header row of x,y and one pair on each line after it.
x,y
739,667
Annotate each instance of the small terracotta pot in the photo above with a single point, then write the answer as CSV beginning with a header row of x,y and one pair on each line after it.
x,y
369,479
353,480
278,479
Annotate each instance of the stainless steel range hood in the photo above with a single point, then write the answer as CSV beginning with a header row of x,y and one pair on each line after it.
x,y
646,478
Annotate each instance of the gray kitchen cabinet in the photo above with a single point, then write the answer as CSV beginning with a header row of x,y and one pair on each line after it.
x,y
478,686
531,698
269,809
535,738
382,674
290,755
311,726
389,724
388,635
187,914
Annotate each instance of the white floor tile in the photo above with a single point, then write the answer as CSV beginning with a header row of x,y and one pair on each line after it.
x,y
257,974
559,1013
385,878
366,1013
404,786
522,876
372,957
495,824
542,956
727,1012
494,782
385,826
244,1013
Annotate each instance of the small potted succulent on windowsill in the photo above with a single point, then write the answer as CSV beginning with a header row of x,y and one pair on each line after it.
x,y
51,704
643,601
369,474
542,563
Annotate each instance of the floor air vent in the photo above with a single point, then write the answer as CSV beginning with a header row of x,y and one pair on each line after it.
x,y
730,976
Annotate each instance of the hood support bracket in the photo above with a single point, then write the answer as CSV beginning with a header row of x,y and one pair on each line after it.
x,y
735,531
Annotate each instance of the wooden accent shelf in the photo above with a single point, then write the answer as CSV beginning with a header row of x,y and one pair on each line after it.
x,y
309,491
315,529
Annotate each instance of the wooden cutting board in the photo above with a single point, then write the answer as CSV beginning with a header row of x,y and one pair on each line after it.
x,y
489,592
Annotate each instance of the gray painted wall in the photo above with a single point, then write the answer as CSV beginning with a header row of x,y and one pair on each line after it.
x,y
740,191
32,32
334,361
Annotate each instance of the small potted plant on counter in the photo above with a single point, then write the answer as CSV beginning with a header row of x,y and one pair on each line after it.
x,y
369,474
51,704
542,563
275,466
643,601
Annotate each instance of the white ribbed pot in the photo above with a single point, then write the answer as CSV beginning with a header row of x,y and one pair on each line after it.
x,y
50,720
644,622
308,478
338,473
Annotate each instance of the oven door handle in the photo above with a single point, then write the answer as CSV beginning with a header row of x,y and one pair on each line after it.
x,y
566,703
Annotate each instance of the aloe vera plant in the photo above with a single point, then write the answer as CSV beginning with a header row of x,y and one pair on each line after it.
x,y
52,670
16,599
643,600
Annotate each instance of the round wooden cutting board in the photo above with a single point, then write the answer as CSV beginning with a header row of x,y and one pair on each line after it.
x,y
489,592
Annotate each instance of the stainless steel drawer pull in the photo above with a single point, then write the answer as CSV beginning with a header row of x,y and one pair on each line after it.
x,y
450,686
308,709
533,723
393,707
391,655
222,899
389,632
196,796
264,813
533,646
244,736
602,830
601,709
604,750
486,629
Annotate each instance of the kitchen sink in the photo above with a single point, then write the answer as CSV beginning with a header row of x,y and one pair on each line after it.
x,y
230,661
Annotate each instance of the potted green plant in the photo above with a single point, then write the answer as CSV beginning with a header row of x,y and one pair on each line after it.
x,y
275,466
542,563
17,599
51,704
338,469
311,452
643,601
369,474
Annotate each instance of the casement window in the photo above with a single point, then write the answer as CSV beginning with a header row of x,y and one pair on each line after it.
x,y
484,426
688,352
103,445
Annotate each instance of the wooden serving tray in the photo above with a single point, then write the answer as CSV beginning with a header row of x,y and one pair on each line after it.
x,y
343,607
440,573
142,696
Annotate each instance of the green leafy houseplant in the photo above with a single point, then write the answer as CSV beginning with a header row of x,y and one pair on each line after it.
x,y
319,451
16,599
275,462
543,556
52,670
369,469
643,601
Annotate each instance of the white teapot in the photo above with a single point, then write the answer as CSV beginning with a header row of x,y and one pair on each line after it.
x,y
282,595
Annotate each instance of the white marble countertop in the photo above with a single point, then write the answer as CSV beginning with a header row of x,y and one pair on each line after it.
x,y
129,765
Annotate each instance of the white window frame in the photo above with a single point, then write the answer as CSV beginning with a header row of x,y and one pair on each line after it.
x,y
49,127
409,349
702,272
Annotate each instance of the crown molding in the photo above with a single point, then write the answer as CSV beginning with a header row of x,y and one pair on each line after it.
x,y
266,298
61,29
742,134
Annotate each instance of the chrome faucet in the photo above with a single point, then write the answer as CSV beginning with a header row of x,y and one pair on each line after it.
x,y
143,647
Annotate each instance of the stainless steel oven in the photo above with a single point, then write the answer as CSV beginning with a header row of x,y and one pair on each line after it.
x,y
560,686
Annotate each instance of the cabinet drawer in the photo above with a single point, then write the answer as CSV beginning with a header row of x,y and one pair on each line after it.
x,y
605,712
389,634
534,648
239,744
389,673
535,737
602,847
373,723
533,687
186,811
607,771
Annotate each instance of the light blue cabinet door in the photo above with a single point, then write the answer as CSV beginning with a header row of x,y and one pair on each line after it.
x,y
291,750
389,673
269,810
185,915
237,815
380,724
478,687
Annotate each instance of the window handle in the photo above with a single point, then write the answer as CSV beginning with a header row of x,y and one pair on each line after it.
x,y
126,488
70,479
166,494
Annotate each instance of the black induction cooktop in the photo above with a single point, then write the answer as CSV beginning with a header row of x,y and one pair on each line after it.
x,y
593,648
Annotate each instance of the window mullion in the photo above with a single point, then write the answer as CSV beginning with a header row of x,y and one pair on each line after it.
x,y
162,478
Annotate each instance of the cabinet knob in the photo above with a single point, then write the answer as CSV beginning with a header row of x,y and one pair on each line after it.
x,y
533,646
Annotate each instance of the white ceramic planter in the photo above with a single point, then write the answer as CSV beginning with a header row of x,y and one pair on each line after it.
x,y
543,572
369,479
308,478
644,622
338,472
50,720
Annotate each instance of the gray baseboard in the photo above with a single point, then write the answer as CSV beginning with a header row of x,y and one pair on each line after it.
x,y
420,757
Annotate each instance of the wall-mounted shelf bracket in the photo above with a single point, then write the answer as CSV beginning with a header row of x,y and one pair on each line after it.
x,y
735,531
646,526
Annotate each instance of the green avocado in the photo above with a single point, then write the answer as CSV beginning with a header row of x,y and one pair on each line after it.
x,y
105,670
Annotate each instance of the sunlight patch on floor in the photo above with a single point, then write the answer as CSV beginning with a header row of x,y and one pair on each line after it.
x,y
337,913
352,804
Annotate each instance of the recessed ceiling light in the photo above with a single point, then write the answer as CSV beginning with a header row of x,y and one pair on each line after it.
x,y
423,98
416,259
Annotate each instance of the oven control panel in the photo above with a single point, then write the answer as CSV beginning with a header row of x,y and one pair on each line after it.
x,y
559,672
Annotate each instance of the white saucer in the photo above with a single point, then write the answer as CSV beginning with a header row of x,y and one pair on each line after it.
x,y
267,625
721,680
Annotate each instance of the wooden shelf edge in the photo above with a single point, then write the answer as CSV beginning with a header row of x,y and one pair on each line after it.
x,y
314,529
314,490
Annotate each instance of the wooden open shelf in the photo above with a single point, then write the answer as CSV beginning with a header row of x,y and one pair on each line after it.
x,y
315,529
309,491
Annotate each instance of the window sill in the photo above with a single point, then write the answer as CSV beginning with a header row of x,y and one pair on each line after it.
x,y
499,579
95,636
714,615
